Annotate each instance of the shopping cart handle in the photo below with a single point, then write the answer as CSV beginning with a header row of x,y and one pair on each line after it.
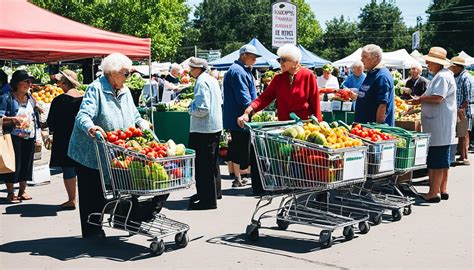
x,y
256,125
344,124
295,117
99,136
315,119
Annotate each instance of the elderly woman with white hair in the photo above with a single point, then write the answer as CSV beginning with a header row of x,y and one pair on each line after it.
x,y
357,77
416,84
172,77
107,105
295,89
375,100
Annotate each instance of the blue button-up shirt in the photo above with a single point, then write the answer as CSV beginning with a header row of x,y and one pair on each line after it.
x,y
100,107
354,82
206,108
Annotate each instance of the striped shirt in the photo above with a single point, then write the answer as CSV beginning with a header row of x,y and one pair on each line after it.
x,y
464,83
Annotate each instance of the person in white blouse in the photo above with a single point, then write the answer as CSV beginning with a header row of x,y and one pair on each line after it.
x,y
327,80
438,117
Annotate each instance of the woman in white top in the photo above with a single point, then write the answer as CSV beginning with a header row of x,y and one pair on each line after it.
x,y
438,117
328,80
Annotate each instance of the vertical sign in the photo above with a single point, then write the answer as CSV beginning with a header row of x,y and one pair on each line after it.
x,y
415,40
284,24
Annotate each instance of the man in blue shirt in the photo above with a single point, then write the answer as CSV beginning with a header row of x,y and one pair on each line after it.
x,y
356,78
239,92
375,100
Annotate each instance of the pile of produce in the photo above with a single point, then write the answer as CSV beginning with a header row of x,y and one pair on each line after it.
x,y
326,90
343,95
398,82
374,135
315,165
414,115
46,93
268,76
135,82
263,117
331,136
146,174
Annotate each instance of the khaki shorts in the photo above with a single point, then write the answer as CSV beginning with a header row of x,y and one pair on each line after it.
x,y
461,127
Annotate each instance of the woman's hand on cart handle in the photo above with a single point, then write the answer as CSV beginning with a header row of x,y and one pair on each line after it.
x,y
94,129
242,120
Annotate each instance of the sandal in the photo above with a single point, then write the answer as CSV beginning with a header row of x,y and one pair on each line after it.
x,y
68,206
12,198
23,196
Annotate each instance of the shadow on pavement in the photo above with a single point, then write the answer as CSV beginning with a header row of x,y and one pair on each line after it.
x,y
32,210
276,245
113,248
180,205
239,192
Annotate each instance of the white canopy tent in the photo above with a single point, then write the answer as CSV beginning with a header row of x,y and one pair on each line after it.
x,y
469,59
396,59
418,57
156,67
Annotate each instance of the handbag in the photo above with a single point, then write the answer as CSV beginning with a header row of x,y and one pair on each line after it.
x,y
461,127
7,153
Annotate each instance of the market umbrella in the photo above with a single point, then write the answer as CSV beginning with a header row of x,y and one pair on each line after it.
x,y
348,60
268,59
310,59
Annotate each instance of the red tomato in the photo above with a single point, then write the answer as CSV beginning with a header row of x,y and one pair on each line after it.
x,y
112,138
151,154
128,133
123,136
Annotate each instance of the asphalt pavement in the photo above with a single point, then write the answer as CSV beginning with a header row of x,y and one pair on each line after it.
x,y
37,235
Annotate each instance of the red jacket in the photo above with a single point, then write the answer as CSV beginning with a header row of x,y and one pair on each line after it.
x,y
302,98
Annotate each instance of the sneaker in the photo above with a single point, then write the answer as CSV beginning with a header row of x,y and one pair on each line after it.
x,y
244,181
236,183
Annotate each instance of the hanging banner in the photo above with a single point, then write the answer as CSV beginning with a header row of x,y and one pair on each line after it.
x,y
284,24
415,40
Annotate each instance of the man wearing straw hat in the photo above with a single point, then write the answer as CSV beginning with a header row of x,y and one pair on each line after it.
x,y
463,98
438,117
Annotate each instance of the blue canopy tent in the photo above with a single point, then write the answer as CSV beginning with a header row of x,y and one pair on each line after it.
x,y
268,59
310,59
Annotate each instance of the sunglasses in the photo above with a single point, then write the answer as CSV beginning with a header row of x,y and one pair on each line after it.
x,y
126,74
282,60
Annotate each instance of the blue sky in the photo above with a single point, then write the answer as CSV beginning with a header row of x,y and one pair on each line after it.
x,y
328,9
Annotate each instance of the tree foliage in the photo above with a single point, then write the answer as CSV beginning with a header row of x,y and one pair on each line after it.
x,y
450,24
227,24
161,20
382,24
340,39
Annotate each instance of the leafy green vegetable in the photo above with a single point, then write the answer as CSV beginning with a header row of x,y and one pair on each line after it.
x,y
135,82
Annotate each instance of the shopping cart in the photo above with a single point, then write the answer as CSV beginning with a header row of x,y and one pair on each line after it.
x,y
381,159
295,169
126,174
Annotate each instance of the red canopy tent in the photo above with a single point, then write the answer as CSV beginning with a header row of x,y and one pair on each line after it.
x,y
30,33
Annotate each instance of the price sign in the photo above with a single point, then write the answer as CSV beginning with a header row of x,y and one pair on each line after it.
x,y
421,151
387,160
354,165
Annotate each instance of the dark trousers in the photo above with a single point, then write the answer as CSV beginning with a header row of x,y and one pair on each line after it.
x,y
208,176
256,181
91,197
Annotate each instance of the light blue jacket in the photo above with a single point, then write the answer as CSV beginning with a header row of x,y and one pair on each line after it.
x,y
206,108
100,107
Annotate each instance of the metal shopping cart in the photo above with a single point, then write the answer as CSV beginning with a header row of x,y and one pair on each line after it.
x,y
126,174
296,170
381,159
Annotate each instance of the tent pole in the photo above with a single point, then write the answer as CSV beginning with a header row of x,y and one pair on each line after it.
x,y
152,98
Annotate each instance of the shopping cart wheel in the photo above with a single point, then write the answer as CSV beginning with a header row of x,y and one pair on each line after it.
x,y
181,239
157,247
407,210
348,233
252,232
364,227
397,214
376,219
325,238
282,224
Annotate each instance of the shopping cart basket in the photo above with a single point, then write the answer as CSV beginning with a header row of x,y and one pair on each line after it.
x,y
299,168
140,175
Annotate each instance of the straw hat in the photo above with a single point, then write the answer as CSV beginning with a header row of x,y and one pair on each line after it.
x,y
437,55
458,60
70,75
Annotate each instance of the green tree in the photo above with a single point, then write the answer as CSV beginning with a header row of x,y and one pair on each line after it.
x,y
382,24
227,24
449,25
340,39
161,20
